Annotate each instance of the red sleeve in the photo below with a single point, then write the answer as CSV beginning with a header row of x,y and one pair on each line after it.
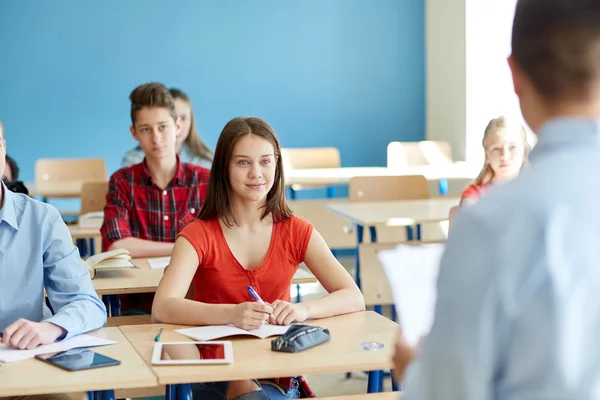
x,y
195,233
116,212
301,231
472,191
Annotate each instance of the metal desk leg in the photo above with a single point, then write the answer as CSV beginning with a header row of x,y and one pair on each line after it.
x,y
170,392
443,187
410,233
373,382
330,192
115,305
184,391
359,237
298,295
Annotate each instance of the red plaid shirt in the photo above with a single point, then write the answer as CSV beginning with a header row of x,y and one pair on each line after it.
x,y
135,207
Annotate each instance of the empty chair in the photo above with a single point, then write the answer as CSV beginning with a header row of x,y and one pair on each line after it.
x,y
69,169
390,188
310,158
93,196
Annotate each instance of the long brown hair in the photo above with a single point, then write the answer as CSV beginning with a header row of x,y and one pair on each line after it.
x,y
487,173
193,140
218,198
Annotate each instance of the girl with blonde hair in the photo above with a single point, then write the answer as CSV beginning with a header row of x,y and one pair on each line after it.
x,y
506,149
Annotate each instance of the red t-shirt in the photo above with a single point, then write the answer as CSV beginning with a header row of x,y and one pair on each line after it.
x,y
474,191
221,279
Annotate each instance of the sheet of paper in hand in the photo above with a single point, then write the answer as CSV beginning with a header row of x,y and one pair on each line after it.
x,y
412,272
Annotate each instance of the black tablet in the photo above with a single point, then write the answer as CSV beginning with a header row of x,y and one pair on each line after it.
x,y
78,359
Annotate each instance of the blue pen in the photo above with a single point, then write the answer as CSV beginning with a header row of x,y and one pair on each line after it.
x,y
256,297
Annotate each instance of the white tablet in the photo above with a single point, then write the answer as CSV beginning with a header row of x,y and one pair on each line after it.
x,y
182,353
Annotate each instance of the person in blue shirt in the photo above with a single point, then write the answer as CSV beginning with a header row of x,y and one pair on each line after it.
x,y
37,253
517,314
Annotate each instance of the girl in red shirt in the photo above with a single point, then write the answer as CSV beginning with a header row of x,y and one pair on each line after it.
x,y
246,235
506,151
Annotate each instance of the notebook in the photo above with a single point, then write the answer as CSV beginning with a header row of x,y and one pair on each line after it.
x,y
8,354
204,333
159,262
118,258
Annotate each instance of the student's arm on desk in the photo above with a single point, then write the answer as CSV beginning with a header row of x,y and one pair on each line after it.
x,y
344,296
143,248
459,358
171,306
69,287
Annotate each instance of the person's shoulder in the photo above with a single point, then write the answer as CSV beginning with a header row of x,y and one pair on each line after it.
x,y
199,226
515,203
133,156
40,211
474,191
295,224
127,173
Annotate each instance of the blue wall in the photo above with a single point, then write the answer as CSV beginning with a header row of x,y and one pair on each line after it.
x,y
344,73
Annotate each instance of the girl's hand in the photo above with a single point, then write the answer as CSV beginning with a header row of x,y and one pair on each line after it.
x,y
250,315
285,313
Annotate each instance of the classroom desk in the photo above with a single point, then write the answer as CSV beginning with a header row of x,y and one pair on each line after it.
x,y
143,279
31,377
395,213
83,233
406,213
342,176
65,189
253,358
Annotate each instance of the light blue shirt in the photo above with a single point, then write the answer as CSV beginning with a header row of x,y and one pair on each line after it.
x,y
186,155
37,252
518,311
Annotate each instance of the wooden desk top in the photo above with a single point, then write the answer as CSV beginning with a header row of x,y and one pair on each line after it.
x,y
342,176
83,233
33,376
395,213
66,189
253,357
143,279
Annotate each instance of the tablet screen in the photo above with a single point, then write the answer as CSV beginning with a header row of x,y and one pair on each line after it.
x,y
193,351
77,359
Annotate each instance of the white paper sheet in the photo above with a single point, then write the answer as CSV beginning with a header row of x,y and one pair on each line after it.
x,y
9,354
412,273
203,333
159,262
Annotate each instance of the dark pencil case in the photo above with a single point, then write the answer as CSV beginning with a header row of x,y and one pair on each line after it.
x,y
299,338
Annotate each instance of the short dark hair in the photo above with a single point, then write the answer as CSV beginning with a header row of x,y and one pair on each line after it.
x,y
153,94
556,43
218,197
14,168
